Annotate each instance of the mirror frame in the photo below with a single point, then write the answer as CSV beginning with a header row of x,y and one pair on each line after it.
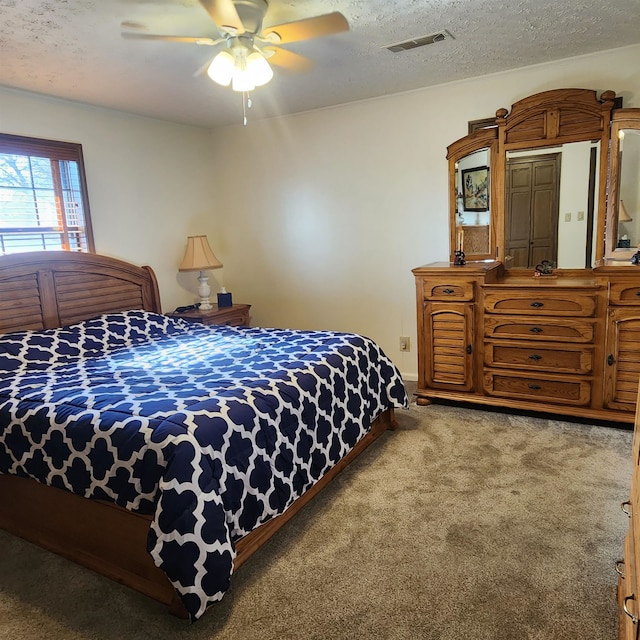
x,y
476,141
621,119
549,118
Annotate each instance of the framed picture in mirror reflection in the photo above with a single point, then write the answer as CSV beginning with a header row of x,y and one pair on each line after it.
x,y
475,189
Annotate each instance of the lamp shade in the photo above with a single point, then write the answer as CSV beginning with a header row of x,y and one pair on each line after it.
x,y
623,214
198,256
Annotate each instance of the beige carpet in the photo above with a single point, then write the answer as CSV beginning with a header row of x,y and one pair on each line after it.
x,y
462,524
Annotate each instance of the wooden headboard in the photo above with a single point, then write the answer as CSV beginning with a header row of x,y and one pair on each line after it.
x,y
47,289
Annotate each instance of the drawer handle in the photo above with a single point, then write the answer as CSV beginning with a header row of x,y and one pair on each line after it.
x,y
610,359
638,293
469,349
617,565
624,504
535,356
624,606
448,291
535,330
537,305
535,387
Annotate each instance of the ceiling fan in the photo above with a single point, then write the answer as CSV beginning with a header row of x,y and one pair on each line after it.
x,y
242,62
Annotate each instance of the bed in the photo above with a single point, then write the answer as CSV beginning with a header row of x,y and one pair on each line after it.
x,y
159,452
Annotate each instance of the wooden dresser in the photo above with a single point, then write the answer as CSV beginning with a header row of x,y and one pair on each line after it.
x,y
567,344
628,568
555,170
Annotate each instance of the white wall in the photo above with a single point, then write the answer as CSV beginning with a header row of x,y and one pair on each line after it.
x,y
327,212
149,181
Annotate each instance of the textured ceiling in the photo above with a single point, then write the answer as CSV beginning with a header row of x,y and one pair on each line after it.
x,y
73,49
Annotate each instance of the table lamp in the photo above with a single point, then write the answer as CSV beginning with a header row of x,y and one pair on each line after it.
x,y
199,257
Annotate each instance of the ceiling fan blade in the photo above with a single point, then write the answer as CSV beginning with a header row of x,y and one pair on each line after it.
x,y
191,39
287,59
224,14
310,28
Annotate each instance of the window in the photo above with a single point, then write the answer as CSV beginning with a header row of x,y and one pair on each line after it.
x,y
43,196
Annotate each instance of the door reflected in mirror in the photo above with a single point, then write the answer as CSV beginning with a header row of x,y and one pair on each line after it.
x,y
550,206
472,197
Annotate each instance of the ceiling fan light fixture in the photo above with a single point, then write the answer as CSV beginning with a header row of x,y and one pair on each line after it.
x,y
242,81
240,67
222,68
258,69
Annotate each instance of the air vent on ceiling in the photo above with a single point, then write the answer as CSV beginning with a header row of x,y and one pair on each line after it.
x,y
419,42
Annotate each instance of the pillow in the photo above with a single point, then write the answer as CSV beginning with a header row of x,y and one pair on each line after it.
x,y
90,338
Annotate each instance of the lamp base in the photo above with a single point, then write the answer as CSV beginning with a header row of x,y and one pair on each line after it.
x,y
204,291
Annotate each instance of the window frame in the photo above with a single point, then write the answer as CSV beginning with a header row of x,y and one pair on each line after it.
x,y
55,150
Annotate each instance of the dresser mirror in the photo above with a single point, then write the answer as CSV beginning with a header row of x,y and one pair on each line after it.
x,y
623,212
548,167
472,195
550,205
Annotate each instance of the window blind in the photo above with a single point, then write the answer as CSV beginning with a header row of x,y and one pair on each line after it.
x,y
43,196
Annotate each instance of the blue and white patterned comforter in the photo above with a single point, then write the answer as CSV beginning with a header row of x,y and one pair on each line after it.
x,y
212,430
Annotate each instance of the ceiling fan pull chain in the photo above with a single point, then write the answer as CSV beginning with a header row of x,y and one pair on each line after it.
x,y
246,104
244,108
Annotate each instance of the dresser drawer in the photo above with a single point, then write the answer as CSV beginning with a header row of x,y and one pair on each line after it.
x,y
544,328
436,290
233,318
626,293
543,387
540,303
539,357
627,590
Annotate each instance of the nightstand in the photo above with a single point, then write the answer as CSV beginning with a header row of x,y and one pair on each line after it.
x,y
236,315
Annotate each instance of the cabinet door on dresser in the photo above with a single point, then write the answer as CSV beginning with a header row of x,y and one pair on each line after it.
x,y
622,347
448,360
622,358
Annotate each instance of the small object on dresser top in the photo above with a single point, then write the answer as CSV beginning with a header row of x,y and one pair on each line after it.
x,y
544,268
459,258
224,298
189,307
635,258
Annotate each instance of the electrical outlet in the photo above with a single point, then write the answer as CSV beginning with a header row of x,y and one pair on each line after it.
x,y
405,343
580,215
567,217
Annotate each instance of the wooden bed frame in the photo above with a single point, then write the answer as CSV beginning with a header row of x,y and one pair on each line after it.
x,y
43,290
